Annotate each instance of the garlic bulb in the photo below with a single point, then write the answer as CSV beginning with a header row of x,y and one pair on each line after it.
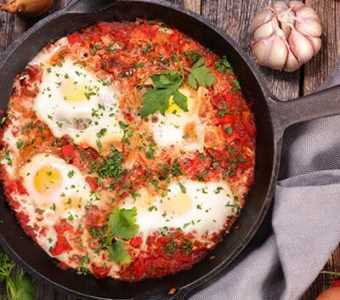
x,y
285,35
28,8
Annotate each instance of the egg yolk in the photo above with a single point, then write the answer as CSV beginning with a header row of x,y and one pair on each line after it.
x,y
173,107
73,92
46,180
178,204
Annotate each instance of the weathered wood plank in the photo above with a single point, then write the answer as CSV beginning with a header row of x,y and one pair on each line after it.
x,y
11,26
317,70
194,5
234,17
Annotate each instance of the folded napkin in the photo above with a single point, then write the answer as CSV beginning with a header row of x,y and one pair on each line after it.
x,y
302,229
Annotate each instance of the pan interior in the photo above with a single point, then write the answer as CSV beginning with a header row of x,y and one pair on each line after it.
x,y
34,258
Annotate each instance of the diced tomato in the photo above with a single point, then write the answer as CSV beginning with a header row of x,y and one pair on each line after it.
x,y
63,226
101,272
250,129
138,269
68,151
104,27
229,97
154,31
20,188
93,182
174,38
136,241
23,218
75,38
61,245
227,119
23,221
121,190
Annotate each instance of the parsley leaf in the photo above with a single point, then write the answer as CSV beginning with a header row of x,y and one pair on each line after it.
x,y
155,100
122,223
222,65
200,74
166,84
180,100
118,254
22,287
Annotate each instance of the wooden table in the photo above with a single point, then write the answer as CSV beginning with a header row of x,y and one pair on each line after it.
x,y
234,17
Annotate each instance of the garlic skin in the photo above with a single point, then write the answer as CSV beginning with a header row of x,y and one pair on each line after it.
x,y
285,35
27,8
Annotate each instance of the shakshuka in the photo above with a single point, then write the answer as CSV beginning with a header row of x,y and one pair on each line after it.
x,y
127,150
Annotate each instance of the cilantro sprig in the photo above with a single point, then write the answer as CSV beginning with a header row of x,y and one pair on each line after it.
x,y
19,289
121,224
167,84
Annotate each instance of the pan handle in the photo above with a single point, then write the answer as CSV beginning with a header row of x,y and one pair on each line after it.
x,y
79,6
320,104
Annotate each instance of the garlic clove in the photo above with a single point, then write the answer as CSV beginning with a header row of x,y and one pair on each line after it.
x,y
280,6
263,17
264,31
300,46
309,27
292,63
316,44
305,13
278,54
261,50
286,19
295,5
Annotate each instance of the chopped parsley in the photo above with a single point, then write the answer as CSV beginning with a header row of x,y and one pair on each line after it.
x,y
236,86
222,65
110,166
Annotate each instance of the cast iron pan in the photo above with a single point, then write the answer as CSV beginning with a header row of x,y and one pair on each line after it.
x,y
272,117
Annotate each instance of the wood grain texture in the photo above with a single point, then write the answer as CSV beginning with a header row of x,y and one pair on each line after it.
x,y
11,26
234,17
194,5
317,70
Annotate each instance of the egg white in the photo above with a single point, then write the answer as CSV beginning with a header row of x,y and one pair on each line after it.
x,y
200,207
182,129
67,199
95,111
